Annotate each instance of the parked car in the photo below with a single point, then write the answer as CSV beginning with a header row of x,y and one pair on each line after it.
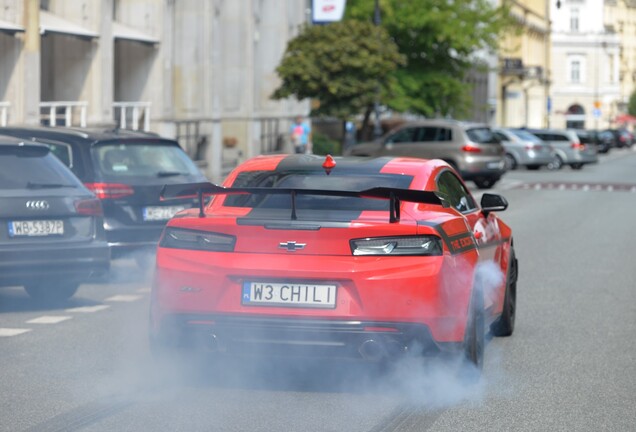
x,y
603,139
366,258
471,148
51,226
524,149
567,147
126,170
623,137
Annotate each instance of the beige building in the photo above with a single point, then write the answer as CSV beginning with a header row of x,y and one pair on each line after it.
x,y
524,68
200,71
620,18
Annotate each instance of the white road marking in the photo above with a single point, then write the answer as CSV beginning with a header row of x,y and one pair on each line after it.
x,y
49,319
123,298
88,309
7,332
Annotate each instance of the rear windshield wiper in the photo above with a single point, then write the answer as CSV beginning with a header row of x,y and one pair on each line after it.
x,y
35,185
170,173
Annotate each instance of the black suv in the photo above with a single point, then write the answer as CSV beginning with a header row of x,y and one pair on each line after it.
x,y
126,170
51,226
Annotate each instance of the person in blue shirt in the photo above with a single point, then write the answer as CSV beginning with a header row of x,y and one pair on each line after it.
x,y
300,133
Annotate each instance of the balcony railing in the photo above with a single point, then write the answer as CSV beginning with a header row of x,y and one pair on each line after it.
x,y
4,113
61,113
135,114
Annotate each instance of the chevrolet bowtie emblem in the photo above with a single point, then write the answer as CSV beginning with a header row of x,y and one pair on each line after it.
x,y
291,246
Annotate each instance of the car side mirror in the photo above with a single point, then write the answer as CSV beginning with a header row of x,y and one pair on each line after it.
x,y
493,202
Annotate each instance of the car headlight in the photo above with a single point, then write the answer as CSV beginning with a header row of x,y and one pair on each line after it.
x,y
178,238
414,245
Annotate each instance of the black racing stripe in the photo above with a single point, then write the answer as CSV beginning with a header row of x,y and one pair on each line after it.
x,y
462,243
299,162
456,244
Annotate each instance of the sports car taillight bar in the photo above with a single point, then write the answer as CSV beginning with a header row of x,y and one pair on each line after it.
x,y
395,195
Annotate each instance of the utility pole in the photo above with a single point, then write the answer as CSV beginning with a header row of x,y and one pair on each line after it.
x,y
377,127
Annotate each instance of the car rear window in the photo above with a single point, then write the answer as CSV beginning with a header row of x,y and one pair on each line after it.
x,y
314,180
31,167
482,136
526,136
142,160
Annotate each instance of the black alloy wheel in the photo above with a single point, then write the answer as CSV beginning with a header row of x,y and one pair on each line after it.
x,y
505,324
474,340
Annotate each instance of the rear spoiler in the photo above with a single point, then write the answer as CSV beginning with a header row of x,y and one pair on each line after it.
x,y
395,195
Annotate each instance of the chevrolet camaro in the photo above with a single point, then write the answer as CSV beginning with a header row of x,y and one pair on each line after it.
x,y
367,258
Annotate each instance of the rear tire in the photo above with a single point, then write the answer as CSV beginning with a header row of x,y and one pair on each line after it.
x,y
51,292
485,182
510,162
472,355
577,166
556,164
505,324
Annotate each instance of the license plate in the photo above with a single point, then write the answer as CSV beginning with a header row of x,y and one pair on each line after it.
x,y
36,228
289,294
495,165
161,213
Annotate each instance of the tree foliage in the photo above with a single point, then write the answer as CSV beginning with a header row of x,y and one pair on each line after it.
x,y
631,107
341,65
439,39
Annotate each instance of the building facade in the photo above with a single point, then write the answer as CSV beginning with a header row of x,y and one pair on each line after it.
x,y
199,71
587,54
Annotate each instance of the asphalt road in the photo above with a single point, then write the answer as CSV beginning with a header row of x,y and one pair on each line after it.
x,y
570,366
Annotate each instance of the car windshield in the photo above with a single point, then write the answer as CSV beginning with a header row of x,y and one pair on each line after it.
x,y
30,167
482,135
143,160
526,136
314,180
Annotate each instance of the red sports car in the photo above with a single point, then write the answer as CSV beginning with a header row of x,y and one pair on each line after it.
x,y
354,257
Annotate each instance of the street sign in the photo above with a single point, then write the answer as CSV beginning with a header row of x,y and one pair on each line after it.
x,y
596,113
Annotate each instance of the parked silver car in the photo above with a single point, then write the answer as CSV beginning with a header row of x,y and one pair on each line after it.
x,y
568,148
471,148
524,149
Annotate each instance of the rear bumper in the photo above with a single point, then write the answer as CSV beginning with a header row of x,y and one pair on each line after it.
x,y
74,262
123,241
473,167
268,336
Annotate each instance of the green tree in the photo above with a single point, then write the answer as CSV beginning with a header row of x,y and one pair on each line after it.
x,y
343,66
439,39
631,107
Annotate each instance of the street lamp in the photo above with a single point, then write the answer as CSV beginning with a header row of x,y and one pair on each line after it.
x,y
377,127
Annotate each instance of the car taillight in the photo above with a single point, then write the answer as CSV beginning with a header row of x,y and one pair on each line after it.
x,y
471,148
533,146
89,207
179,238
577,146
110,190
411,245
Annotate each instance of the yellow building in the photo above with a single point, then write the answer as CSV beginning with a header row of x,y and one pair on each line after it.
x,y
524,67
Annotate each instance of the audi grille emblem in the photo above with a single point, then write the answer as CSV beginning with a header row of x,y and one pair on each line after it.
x,y
291,246
37,205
